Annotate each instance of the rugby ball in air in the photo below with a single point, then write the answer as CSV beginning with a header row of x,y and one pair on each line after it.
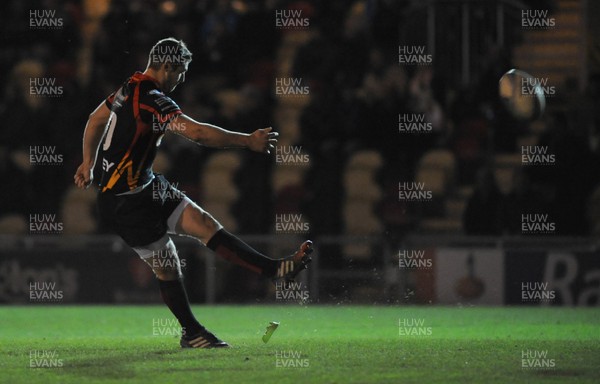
x,y
522,95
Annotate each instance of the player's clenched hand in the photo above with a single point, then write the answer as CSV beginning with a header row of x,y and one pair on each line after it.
x,y
83,176
263,140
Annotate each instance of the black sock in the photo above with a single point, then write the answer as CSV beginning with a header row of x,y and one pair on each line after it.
x,y
235,250
174,296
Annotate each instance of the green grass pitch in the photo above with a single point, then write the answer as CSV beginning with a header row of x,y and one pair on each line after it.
x,y
314,344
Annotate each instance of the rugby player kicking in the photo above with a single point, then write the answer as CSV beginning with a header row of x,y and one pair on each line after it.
x,y
130,124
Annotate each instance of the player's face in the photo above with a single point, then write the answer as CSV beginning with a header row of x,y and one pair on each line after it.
x,y
176,76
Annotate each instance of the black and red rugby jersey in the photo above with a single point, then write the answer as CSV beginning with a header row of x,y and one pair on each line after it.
x,y
140,112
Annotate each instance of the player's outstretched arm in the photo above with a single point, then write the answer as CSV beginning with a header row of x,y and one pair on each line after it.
x,y
261,140
94,130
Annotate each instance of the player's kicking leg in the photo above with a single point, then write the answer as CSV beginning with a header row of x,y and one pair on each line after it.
x,y
196,222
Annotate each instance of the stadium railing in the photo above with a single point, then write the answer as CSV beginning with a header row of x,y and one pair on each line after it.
x,y
379,273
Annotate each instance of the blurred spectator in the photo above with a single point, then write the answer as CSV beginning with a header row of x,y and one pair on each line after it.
x,y
30,116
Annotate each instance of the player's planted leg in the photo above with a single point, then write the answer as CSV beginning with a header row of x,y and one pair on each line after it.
x,y
166,267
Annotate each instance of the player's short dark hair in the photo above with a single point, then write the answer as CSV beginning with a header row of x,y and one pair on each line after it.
x,y
169,50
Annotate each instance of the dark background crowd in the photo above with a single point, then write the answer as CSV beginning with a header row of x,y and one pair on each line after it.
x,y
349,59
